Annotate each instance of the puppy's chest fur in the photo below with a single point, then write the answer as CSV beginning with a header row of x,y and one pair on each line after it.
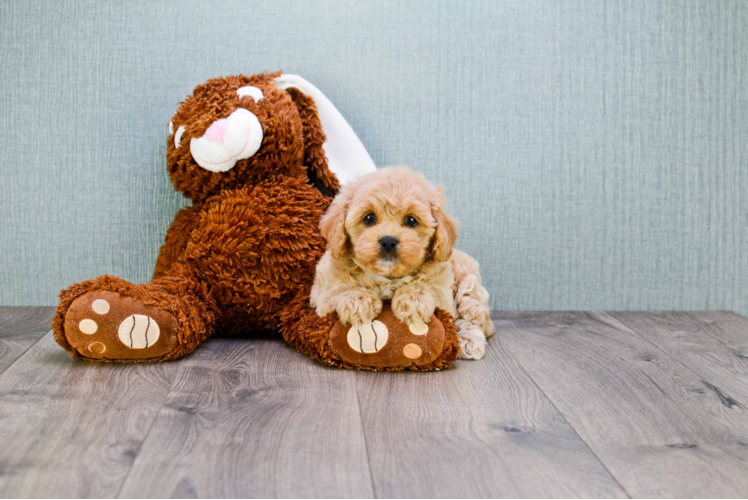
x,y
385,287
336,275
435,278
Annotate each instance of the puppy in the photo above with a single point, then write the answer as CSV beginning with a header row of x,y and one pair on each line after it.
x,y
389,238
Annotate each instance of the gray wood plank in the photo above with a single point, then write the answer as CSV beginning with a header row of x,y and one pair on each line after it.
x,y
254,418
479,429
712,344
649,419
730,328
20,328
71,428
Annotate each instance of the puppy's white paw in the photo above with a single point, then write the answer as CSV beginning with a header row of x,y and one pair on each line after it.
x,y
472,342
358,307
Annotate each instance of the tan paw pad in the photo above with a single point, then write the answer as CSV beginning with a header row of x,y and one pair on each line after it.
x,y
368,338
99,324
403,348
138,331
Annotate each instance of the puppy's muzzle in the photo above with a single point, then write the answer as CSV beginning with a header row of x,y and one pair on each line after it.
x,y
388,245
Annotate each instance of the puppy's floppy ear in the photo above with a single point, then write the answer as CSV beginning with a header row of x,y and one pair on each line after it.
x,y
446,228
332,225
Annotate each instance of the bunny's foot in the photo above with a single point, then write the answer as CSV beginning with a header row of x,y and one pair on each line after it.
x,y
109,319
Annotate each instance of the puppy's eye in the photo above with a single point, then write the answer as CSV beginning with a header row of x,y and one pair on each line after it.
x,y
370,219
411,221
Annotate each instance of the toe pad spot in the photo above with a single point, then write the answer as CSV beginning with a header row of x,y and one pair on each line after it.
x,y
97,348
412,351
100,306
418,328
88,326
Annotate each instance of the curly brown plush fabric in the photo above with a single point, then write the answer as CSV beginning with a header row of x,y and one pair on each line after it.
x,y
241,258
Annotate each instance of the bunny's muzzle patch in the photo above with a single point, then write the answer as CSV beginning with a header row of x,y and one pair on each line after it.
x,y
227,141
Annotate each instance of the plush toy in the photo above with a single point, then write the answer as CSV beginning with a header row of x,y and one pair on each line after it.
x,y
259,157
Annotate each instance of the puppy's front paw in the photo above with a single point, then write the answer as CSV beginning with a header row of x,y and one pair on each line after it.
x,y
413,305
472,341
358,307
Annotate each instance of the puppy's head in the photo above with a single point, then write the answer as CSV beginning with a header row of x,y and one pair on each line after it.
x,y
389,222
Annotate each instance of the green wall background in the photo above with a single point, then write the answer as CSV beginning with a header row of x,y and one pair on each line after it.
x,y
596,152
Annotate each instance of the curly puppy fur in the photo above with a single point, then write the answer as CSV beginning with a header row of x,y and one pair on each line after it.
x,y
389,238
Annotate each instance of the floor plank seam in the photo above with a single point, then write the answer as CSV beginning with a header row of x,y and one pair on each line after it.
x,y
24,352
603,464
147,435
719,392
366,442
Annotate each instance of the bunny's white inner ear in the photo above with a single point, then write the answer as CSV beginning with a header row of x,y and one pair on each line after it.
x,y
347,157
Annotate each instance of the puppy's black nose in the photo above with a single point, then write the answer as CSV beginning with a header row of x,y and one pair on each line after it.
x,y
388,244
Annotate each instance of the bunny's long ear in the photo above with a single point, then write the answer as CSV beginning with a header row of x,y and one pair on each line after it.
x,y
347,157
314,140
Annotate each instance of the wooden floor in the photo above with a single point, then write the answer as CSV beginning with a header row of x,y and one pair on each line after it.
x,y
564,405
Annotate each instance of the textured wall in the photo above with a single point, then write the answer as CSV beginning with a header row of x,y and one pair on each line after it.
x,y
596,152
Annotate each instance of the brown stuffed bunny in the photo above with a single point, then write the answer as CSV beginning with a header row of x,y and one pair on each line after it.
x,y
251,154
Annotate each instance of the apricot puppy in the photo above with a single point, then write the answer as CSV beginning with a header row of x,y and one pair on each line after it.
x,y
389,238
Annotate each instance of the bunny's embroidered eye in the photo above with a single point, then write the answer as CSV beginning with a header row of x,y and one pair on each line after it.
x,y
370,219
250,91
178,136
411,221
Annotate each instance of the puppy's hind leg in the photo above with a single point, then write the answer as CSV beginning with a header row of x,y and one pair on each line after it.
x,y
471,303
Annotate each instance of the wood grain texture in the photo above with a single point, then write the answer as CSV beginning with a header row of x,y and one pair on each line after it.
x,y
712,344
654,423
254,418
20,327
564,405
71,428
480,429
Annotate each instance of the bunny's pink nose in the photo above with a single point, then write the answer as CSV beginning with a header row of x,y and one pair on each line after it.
x,y
217,131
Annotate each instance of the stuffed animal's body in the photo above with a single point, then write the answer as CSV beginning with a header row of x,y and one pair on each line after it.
x,y
249,153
